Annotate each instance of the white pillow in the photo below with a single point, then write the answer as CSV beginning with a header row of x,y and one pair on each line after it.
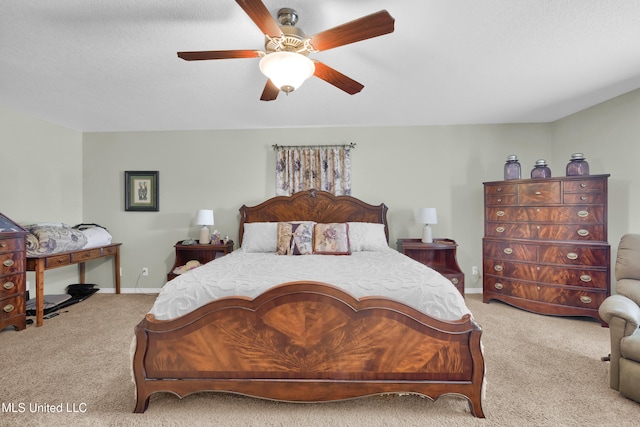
x,y
96,236
367,236
260,237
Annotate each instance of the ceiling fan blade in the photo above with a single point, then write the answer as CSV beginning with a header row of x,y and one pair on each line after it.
x,y
374,25
219,54
260,15
270,91
337,79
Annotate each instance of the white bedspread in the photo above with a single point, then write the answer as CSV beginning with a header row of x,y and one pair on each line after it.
x,y
382,273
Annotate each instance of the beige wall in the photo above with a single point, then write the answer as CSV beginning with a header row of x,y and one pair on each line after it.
x,y
41,175
404,167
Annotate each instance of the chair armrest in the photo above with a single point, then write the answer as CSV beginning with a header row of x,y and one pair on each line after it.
x,y
623,308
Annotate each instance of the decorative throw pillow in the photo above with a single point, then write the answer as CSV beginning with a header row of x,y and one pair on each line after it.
x,y
331,239
295,238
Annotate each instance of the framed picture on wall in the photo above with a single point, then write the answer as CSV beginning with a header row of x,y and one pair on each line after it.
x,y
141,191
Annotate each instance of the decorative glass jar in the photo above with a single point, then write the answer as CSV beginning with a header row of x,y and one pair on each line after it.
x,y
577,165
512,168
541,170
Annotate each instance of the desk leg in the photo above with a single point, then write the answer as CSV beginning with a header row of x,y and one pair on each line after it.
x,y
116,267
39,292
81,272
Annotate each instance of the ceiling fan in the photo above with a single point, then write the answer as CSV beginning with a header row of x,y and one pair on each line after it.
x,y
286,62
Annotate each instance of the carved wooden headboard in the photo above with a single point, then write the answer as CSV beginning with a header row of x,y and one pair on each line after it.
x,y
314,205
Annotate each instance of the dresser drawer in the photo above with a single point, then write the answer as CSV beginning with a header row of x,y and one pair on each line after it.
x,y
10,285
510,230
10,307
558,275
578,232
576,277
539,193
11,245
575,255
511,251
86,255
584,184
564,214
11,263
557,295
579,198
506,199
499,189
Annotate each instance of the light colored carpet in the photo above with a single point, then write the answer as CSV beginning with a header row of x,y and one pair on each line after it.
x,y
541,371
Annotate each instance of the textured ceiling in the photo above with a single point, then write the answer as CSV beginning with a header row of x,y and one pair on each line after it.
x,y
96,65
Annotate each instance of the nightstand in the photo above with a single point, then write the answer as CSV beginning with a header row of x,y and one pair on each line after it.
x,y
202,253
439,255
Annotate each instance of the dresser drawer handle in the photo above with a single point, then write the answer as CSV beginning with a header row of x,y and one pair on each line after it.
x,y
8,263
507,251
572,255
497,267
500,213
585,278
585,299
8,308
3,245
8,285
499,189
500,200
454,281
500,229
583,185
583,198
583,214
537,193
498,285
582,232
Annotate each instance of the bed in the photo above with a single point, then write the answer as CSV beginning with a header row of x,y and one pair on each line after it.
x,y
305,340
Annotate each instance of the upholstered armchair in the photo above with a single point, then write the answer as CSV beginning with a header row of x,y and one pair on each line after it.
x,y
622,313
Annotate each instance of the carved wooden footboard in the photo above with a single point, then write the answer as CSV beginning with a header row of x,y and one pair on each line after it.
x,y
308,342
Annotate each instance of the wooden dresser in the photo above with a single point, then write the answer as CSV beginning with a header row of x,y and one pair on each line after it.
x,y
12,275
545,244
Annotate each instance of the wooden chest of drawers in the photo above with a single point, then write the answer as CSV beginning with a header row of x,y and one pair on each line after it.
x,y
545,247
12,275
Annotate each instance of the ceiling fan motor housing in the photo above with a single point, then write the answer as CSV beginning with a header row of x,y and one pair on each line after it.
x,y
293,40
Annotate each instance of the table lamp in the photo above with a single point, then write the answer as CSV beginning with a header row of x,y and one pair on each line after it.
x,y
427,216
204,217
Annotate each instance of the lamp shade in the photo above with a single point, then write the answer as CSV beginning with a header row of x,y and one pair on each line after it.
x,y
204,217
287,70
427,216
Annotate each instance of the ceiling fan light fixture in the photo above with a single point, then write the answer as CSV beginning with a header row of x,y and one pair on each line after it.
x,y
287,70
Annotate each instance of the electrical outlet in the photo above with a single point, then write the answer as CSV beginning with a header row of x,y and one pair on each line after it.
x,y
475,271
145,271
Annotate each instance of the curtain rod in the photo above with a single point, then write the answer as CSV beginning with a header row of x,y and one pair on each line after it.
x,y
288,147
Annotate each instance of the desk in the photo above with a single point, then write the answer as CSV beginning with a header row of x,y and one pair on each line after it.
x,y
48,262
